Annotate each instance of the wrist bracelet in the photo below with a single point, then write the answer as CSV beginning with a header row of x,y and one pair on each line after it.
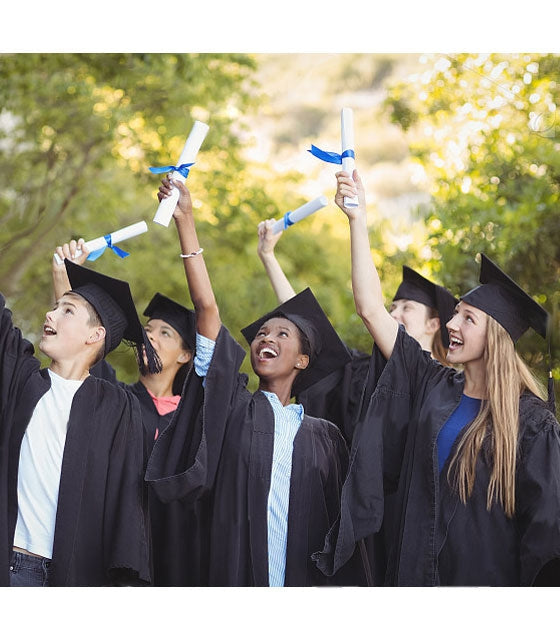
x,y
191,255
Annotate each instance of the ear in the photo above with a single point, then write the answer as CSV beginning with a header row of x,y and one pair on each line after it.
x,y
432,325
184,357
302,361
97,335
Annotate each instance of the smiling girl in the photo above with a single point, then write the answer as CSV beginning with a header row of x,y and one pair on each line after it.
x,y
265,476
462,469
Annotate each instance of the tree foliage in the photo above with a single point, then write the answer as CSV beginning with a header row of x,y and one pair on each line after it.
x,y
486,131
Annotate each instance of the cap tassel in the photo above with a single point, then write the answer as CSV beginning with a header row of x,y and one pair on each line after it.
x,y
147,357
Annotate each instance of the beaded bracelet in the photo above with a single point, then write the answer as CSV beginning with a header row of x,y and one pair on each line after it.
x,y
193,254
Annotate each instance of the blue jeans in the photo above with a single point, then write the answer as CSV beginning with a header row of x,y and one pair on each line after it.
x,y
29,571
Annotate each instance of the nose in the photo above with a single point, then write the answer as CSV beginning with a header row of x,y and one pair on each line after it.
x,y
49,316
452,323
395,313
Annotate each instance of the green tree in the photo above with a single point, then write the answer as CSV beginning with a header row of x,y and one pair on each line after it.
x,y
486,130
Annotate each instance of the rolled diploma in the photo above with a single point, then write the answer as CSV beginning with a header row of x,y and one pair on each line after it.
x,y
117,236
299,214
347,136
191,148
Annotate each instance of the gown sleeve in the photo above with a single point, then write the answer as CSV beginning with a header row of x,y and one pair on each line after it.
x,y
126,528
538,505
393,394
16,357
184,460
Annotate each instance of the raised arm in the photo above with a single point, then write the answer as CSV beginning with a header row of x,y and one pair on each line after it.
x,y
366,285
61,284
265,250
202,295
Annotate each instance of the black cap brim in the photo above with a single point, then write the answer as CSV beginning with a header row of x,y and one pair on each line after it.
x,y
418,288
183,320
504,300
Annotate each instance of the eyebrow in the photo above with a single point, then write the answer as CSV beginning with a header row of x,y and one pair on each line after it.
x,y
265,326
62,302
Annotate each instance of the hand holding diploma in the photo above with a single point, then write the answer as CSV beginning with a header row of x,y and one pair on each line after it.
x,y
180,171
96,247
291,217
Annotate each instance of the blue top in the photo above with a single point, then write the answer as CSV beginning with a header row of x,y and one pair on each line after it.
x,y
466,412
287,421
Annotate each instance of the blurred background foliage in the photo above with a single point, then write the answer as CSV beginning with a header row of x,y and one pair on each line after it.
x,y
459,154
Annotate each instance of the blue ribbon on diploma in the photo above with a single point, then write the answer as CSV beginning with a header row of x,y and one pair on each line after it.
x,y
331,156
183,169
99,252
286,220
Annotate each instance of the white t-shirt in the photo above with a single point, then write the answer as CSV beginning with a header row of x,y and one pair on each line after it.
x,y
40,463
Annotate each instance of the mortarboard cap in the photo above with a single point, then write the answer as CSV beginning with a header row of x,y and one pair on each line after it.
x,y
112,300
503,299
416,287
183,320
328,352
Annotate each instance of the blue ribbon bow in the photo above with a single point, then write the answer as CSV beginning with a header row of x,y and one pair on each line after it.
x,y
331,156
99,252
286,220
183,169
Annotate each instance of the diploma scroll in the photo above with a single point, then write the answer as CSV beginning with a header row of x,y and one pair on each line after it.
x,y
300,213
347,139
196,137
98,245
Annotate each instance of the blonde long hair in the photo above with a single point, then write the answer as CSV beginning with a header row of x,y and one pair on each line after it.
x,y
507,377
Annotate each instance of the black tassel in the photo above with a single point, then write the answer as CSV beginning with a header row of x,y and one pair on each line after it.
x,y
147,357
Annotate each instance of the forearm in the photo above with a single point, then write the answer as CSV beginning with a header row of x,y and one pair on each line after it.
x,y
280,283
198,280
61,283
366,286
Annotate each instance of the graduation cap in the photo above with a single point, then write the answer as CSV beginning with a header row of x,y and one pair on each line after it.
x,y
183,320
416,287
112,300
503,299
328,352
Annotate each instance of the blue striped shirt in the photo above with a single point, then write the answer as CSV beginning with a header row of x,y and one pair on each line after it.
x,y
287,421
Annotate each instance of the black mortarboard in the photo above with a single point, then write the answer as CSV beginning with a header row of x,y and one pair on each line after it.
x,y
416,287
112,300
183,320
328,352
503,299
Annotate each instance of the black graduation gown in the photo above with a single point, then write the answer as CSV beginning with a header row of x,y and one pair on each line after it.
x,y
101,533
175,563
426,535
337,397
218,450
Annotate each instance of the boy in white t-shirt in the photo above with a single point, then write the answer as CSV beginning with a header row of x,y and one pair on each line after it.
x,y
72,500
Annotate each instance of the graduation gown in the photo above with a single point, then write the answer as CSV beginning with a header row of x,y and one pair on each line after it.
x,y
101,535
426,535
217,451
178,554
337,397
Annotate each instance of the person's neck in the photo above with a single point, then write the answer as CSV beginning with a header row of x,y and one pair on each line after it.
x,y
426,343
282,389
159,385
475,380
74,370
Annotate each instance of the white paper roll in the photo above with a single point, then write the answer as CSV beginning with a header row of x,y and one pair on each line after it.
x,y
347,139
196,137
117,236
300,213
